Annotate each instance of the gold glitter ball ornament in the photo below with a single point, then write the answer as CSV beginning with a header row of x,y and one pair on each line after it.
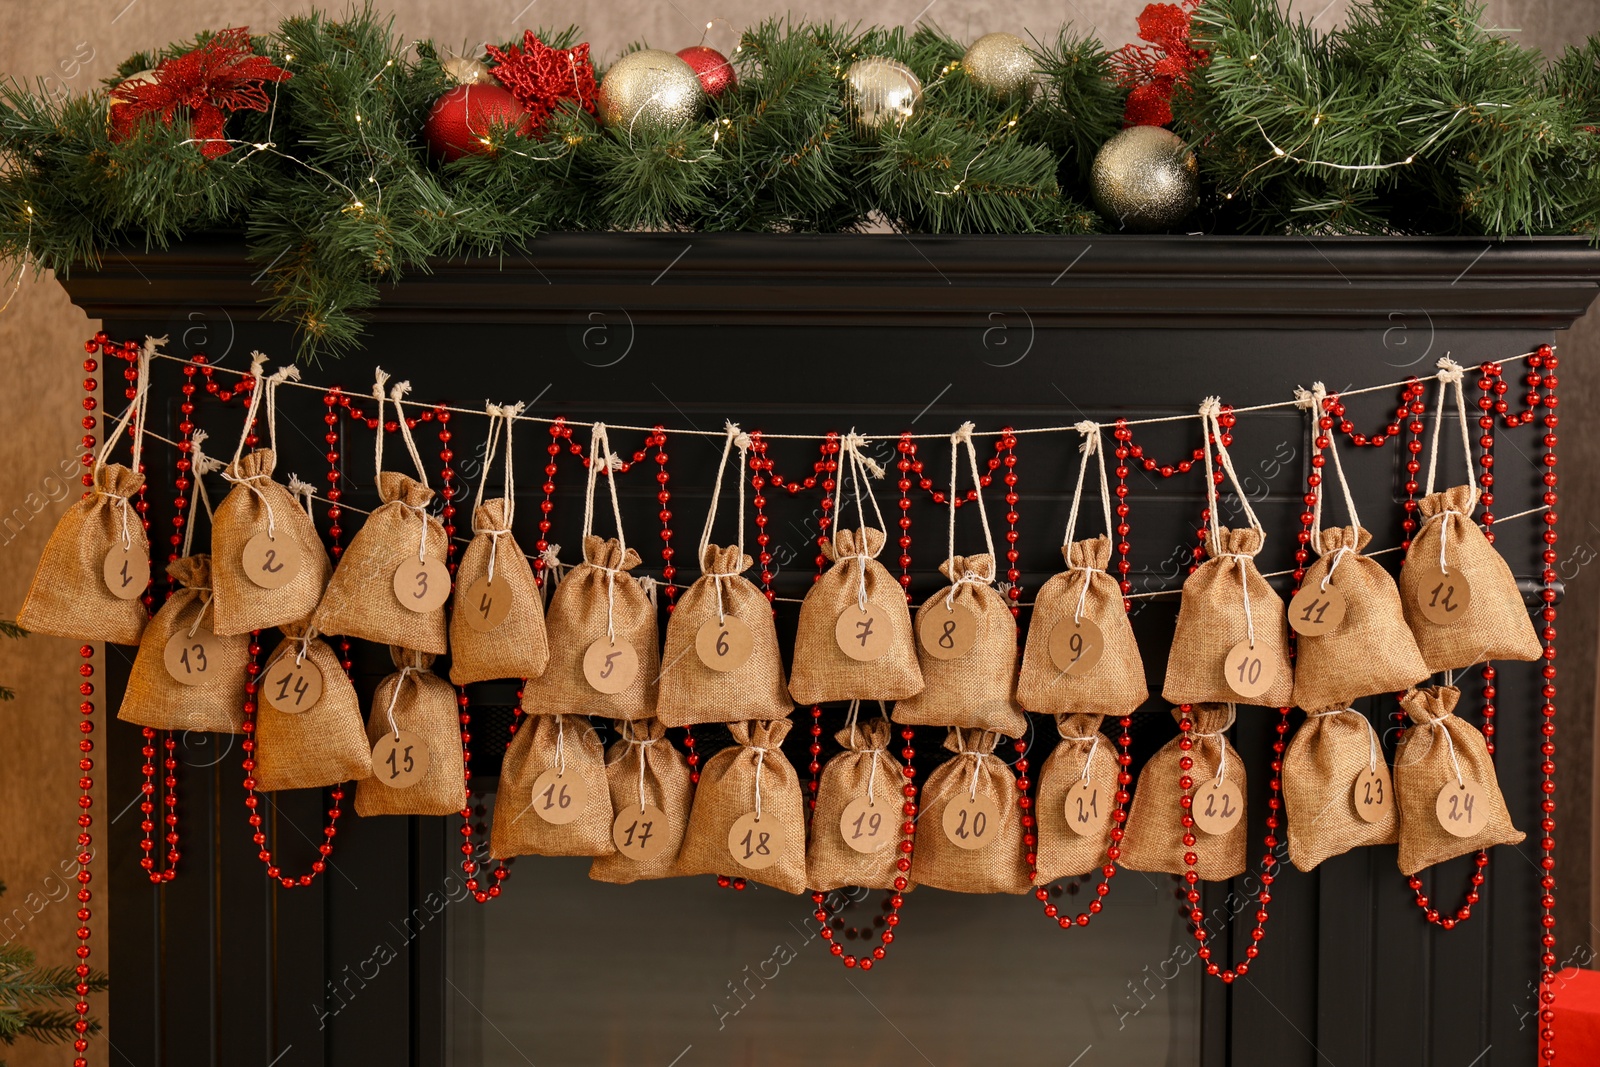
x,y
1145,178
464,70
1002,64
882,92
650,90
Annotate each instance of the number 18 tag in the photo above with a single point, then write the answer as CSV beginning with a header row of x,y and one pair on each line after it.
x,y
754,842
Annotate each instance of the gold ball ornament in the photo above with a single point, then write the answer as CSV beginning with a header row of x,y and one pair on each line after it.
x,y
881,91
1146,179
112,103
650,90
465,70
1002,64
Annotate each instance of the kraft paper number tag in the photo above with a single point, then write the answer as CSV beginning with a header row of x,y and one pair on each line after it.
x,y
486,604
755,843
1218,807
1075,647
127,572
947,633
610,668
293,687
1250,671
640,833
725,645
1457,808
1372,794
191,659
867,827
268,562
1083,808
1314,612
862,635
971,822
559,798
400,761
1443,598
422,586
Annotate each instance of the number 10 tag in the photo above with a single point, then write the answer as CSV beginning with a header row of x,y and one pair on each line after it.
x,y
1250,671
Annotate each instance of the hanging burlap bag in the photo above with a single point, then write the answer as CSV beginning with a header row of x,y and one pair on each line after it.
x,y
497,619
1232,640
211,695
864,848
1077,797
978,784
553,799
650,792
1080,655
604,655
1460,598
322,745
1441,755
1332,773
413,721
268,564
1154,839
856,602
748,816
721,662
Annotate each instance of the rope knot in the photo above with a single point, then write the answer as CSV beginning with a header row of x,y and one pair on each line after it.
x,y
1211,407
1450,372
963,434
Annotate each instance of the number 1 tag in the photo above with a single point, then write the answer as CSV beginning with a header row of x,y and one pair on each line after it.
x,y
126,571
725,645
192,660
486,604
1085,810
947,633
862,635
755,843
400,761
1443,598
422,586
1218,807
867,827
1459,808
559,798
270,563
1250,671
971,822
292,687
1373,794
640,833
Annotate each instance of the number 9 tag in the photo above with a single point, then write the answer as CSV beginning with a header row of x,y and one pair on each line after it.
x,y
293,687
755,843
1075,647
400,761
422,586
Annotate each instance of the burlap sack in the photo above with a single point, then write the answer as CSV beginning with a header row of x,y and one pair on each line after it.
x,y
156,699
69,596
1082,755
1495,624
360,599
997,867
643,768
517,648
748,776
1154,839
257,504
1330,751
569,744
1212,619
977,690
692,692
1372,650
1423,766
419,702
1115,685
324,745
822,672
865,769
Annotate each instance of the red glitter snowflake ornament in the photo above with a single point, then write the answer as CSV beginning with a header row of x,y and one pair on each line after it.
x,y
1152,71
221,76
540,77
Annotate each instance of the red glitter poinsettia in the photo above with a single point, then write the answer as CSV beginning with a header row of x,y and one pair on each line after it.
x,y
221,76
541,77
1152,71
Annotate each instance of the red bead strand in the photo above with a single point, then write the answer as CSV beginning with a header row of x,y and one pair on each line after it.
x,y
1122,452
669,569
1547,711
85,854
1119,816
1412,389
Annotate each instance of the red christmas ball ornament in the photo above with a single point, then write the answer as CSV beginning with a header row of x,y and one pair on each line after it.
x,y
462,118
711,67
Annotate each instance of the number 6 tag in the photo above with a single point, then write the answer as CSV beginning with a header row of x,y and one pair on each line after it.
x,y
725,645
422,586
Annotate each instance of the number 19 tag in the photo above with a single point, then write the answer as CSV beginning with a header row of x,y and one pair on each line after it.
x,y
867,827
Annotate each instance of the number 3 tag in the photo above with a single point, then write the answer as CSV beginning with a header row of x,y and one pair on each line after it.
x,y
1457,808
755,843
422,586
559,798
400,761
270,563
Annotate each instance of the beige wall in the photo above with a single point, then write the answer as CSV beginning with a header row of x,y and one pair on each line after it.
x,y
41,333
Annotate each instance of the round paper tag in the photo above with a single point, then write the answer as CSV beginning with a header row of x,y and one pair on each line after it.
x,y
725,645
1084,808
947,633
1443,598
1250,671
640,834
293,687
1218,807
610,668
867,827
1460,808
862,635
127,571
755,843
422,586
192,659
1372,794
486,604
401,761
269,563
559,798
1075,647
971,822
1314,612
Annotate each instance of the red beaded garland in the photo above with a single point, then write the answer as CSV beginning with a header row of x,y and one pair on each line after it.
x,y
85,854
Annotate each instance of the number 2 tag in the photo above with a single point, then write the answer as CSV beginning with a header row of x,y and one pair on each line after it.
x,y
947,633
192,660
1459,808
867,827
422,586
862,635
1443,598
293,687
268,562
1373,794
400,761
559,798
723,645
1250,671
755,843
971,822
1218,807
486,604
126,571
